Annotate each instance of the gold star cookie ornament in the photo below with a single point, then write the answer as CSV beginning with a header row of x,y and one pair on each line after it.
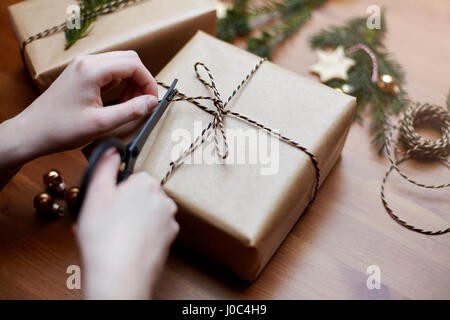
x,y
332,64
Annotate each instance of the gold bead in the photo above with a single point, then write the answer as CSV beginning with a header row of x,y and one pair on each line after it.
x,y
57,209
43,202
71,196
386,83
52,178
59,189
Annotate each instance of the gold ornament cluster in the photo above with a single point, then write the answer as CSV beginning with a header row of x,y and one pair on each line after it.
x,y
46,202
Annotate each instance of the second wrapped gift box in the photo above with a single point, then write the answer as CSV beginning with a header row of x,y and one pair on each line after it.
x,y
156,29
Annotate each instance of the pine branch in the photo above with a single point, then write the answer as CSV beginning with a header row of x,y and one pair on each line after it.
x,y
289,16
89,11
293,15
235,23
367,93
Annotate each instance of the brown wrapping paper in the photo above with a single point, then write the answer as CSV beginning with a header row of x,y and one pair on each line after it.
x,y
156,29
232,212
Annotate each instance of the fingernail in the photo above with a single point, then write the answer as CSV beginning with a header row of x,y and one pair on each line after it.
x,y
111,151
151,102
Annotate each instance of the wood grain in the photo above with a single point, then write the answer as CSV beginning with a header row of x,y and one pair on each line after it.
x,y
328,251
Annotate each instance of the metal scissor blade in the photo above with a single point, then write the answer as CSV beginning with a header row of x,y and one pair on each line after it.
x,y
138,142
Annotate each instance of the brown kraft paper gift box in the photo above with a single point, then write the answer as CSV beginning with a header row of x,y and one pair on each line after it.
x,y
233,213
156,29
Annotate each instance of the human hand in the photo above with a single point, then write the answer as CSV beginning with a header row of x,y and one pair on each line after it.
x,y
71,113
125,232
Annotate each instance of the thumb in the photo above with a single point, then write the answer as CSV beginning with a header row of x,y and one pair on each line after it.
x,y
133,109
102,184
106,170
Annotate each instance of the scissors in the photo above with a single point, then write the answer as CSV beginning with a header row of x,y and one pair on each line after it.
x,y
128,153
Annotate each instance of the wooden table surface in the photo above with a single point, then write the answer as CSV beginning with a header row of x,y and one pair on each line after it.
x,y
328,251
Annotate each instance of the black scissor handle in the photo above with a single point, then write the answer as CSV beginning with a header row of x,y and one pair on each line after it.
x,y
128,153
93,161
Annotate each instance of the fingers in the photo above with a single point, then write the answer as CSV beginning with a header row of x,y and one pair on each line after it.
x,y
131,91
123,65
106,70
111,117
175,229
113,84
150,186
105,174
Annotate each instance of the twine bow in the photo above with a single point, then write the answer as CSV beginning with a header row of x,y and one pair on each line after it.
x,y
216,124
417,147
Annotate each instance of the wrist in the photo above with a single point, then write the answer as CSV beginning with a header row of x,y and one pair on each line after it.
x,y
18,145
106,282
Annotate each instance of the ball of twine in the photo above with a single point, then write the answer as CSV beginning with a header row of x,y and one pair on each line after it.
x,y
418,147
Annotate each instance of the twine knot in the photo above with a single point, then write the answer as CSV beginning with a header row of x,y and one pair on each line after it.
x,y
217,124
